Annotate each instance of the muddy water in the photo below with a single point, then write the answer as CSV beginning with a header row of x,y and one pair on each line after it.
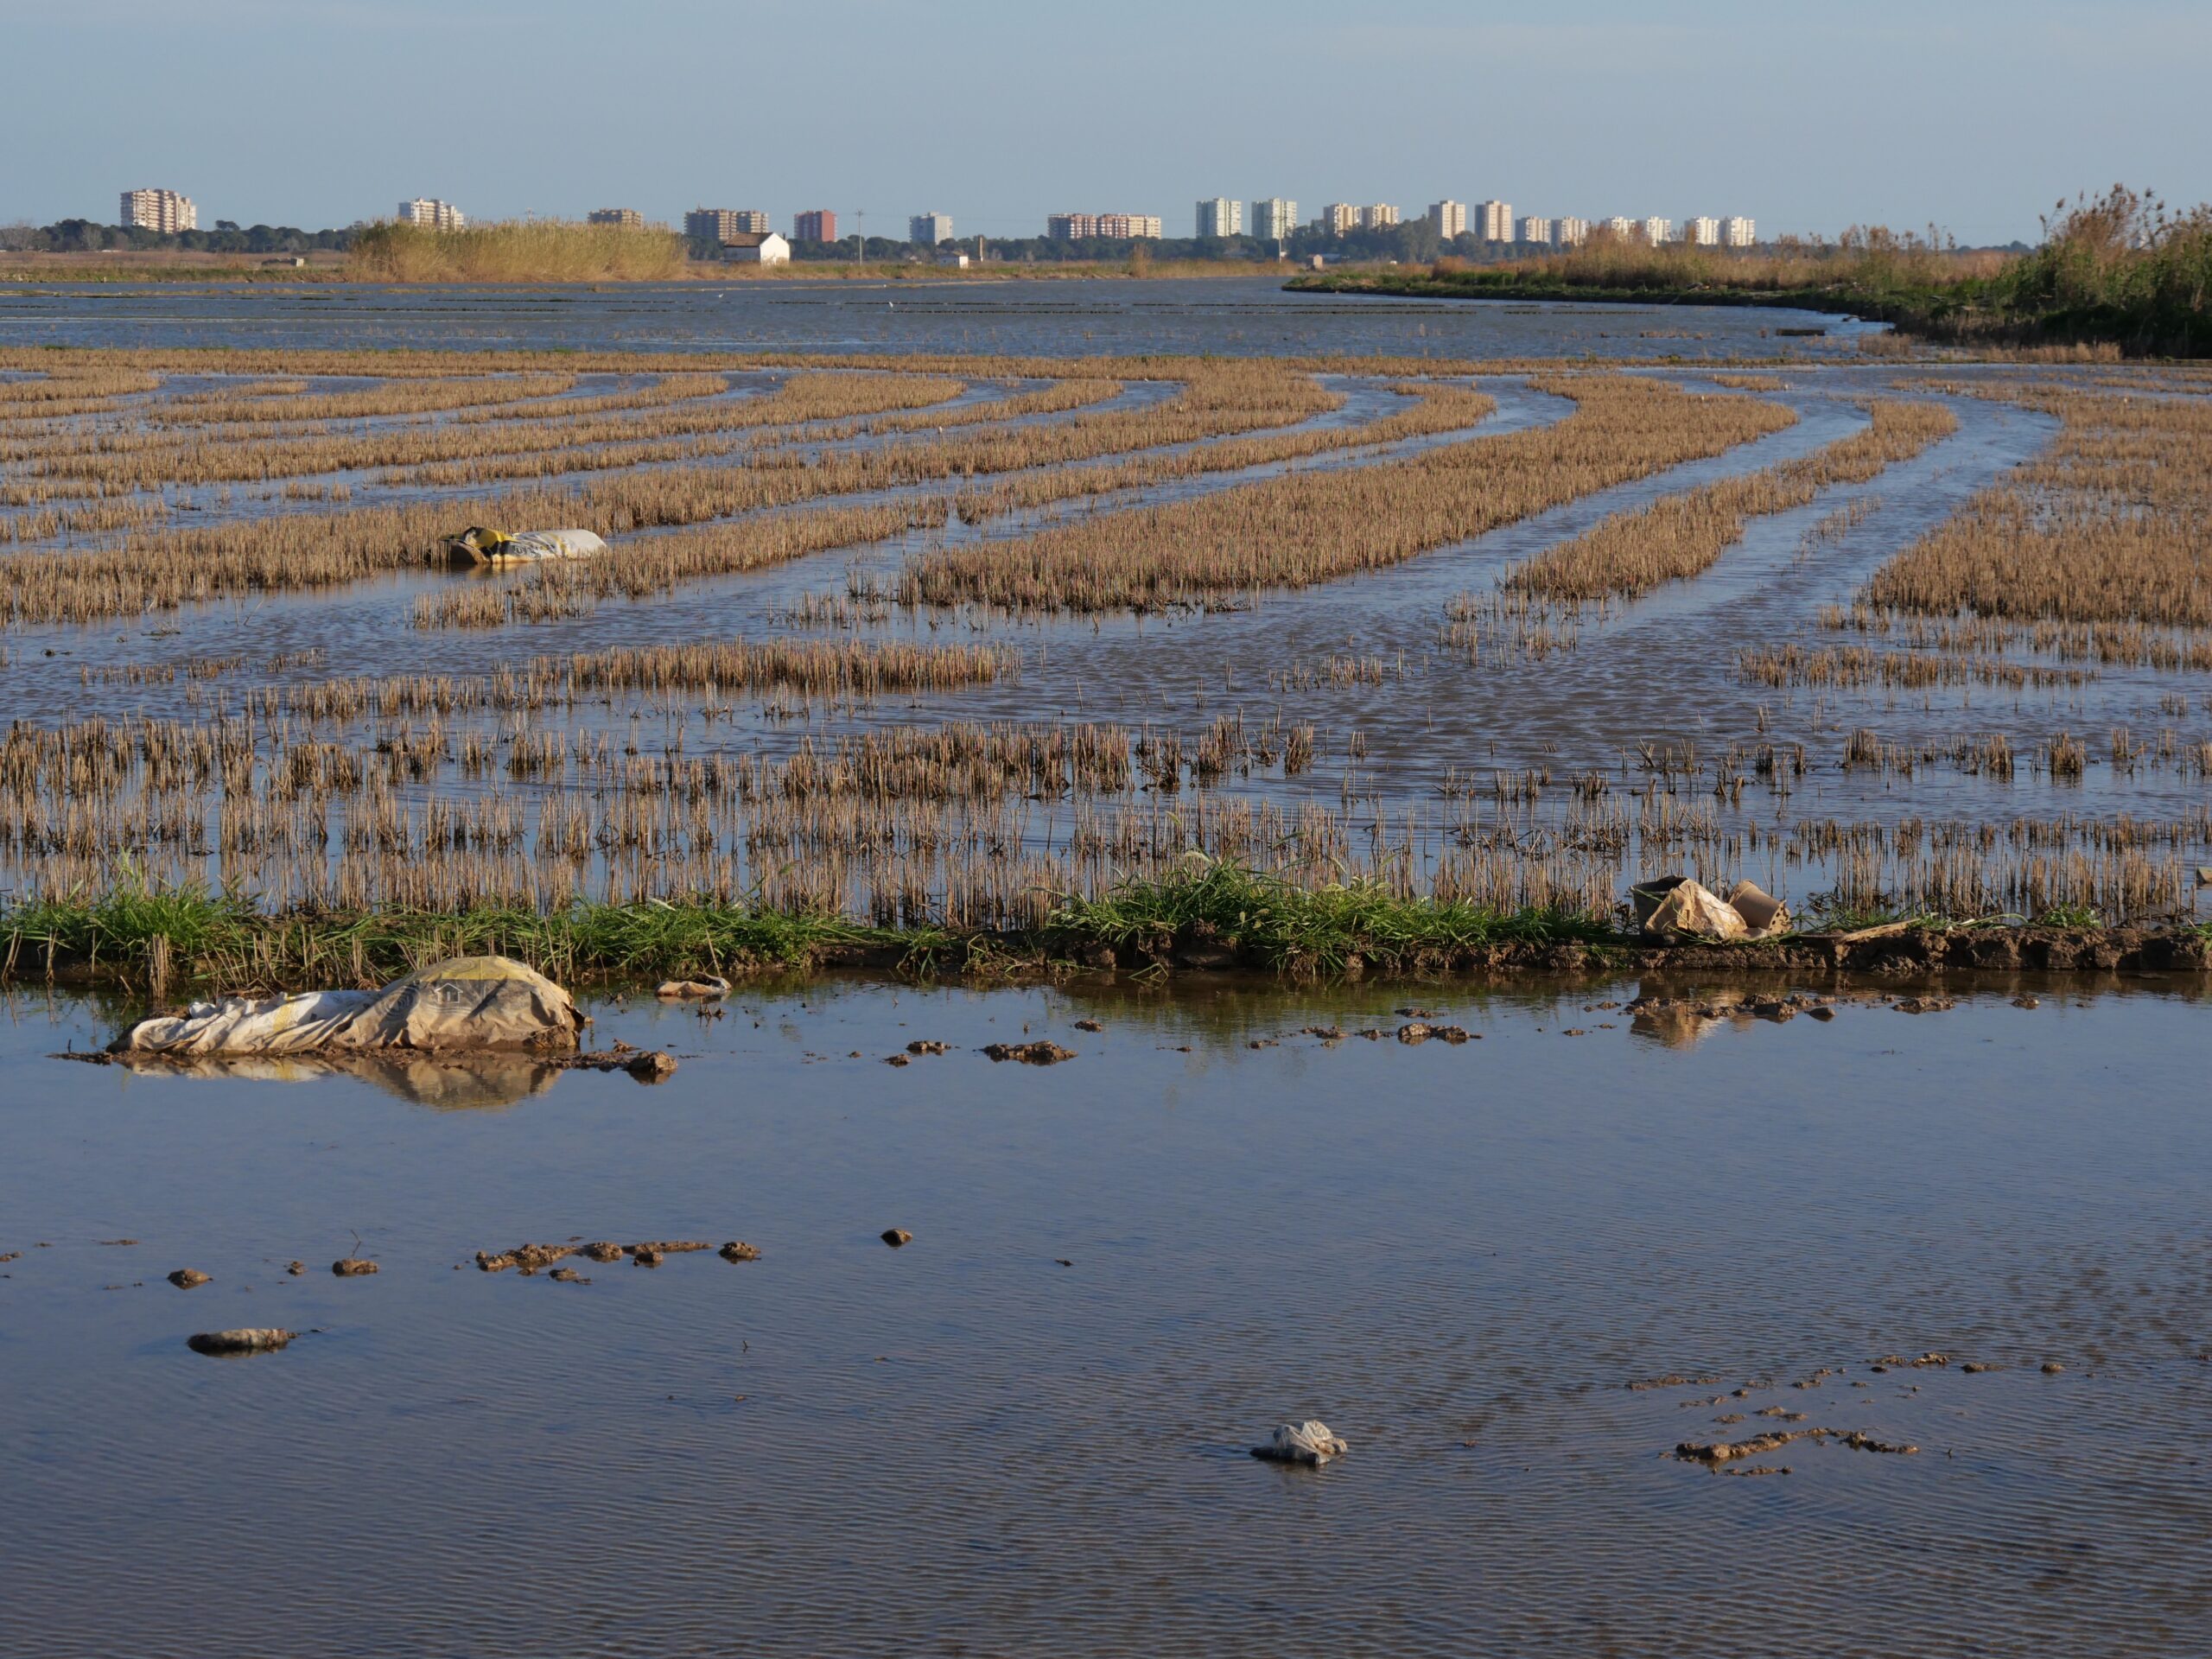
x,y
1458,1257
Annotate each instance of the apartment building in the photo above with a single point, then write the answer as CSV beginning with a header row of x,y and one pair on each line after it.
x,y
1494,221
1627,230
628,218
1703,232
1448,218
1739,232
1219,216
1380,216
815,224
1570,232
1658,231
432,214
927,230
165,210
1537,230
1274,218
1111,227
1339,217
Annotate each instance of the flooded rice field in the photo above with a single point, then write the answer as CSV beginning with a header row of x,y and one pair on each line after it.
x,y
1773,1310
1514,1273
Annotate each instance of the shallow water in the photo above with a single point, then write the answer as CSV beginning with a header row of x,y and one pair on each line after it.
x,y
1226,316
1457,1257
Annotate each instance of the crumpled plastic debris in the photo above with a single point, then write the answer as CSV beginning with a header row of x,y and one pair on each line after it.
x,y
468,1002
477,545
1310,1443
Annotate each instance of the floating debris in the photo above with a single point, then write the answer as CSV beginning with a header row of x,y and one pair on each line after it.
x,y
1309,1443
186,1278
248,1341
713,988
897,1236
352,1266
738,1251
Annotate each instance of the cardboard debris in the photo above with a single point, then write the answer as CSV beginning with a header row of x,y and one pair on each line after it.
x,y
1676,909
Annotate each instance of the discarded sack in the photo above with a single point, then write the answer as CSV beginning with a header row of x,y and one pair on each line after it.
x,y
710,989
477,545
1674,908
1310,1443
468,1003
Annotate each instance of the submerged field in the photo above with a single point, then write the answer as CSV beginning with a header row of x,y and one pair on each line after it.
x,y
1046,683
954,644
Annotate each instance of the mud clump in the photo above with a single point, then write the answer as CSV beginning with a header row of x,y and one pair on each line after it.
x,y
646,1065
187,1278
1088,1025
248,1341
1040,1052
896,1059
738,1251
925,1046
646,1256
296,1268
1925,1004
567,1276
672,1246
530,1258
2052,1368
352,1266
897,1237
1713,1453
1672,1380
1326,1033
1757,1470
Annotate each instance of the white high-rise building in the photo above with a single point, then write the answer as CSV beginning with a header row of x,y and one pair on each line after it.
x,y
1219,216
1379,217
1628,230
1273,220
1739,232
1450,219
1570,232
432,214
927,230
1658,231
1494,221
1339,217
165,210
1536,230
1703,232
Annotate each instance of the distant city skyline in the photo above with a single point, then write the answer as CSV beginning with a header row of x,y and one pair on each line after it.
x,y
1971,117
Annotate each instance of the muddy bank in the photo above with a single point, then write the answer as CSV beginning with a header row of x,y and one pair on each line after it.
x,y
1967,953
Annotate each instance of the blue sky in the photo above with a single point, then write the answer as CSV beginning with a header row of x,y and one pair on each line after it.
x,y
1973,115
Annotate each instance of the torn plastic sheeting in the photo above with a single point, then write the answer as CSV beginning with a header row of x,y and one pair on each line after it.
x,y
477,545
468,1003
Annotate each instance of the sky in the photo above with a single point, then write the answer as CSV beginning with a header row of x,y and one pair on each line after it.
x,y
1974,116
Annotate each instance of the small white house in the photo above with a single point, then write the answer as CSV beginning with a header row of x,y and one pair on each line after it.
x,y
953,261
756,248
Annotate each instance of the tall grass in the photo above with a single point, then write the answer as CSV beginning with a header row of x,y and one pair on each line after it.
x,y
535,250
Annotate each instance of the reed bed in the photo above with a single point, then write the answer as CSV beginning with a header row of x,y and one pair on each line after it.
x,y
1304,528
537,251
1683,535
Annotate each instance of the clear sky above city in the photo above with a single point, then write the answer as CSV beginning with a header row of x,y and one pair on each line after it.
x,y
1974,114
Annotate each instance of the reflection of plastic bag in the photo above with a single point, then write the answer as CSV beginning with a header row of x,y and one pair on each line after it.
x,y
453,1081
477,545
469,1002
